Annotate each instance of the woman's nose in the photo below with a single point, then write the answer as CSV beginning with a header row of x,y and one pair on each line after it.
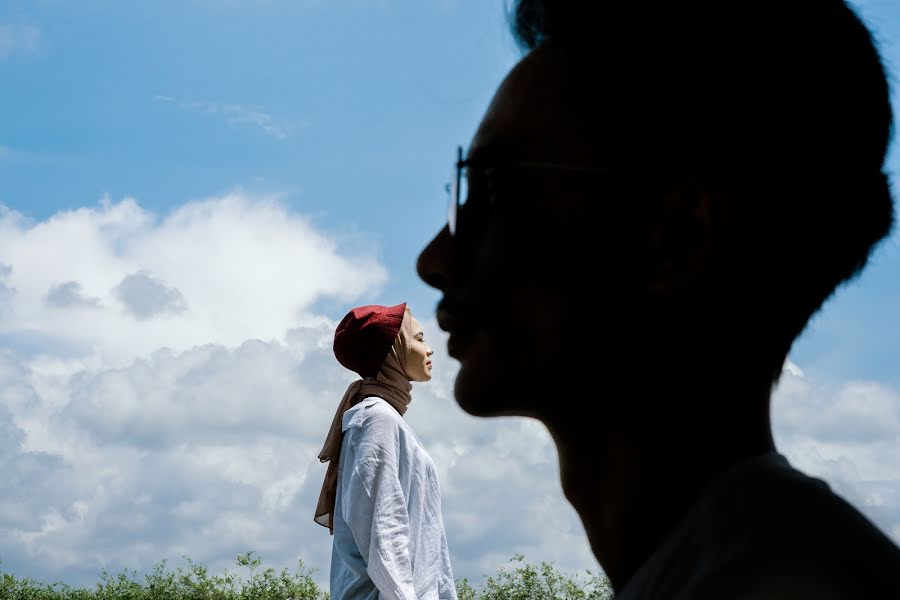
x,y
433,264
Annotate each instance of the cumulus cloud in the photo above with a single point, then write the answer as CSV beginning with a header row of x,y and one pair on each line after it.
x,y
69,293
846,435
211,451
7,293
18,39
220,270
195,431
145,296
129,437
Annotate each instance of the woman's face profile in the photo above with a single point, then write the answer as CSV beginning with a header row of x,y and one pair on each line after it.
x,y
418,363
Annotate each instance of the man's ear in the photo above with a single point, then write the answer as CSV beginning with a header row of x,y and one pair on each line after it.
x,y
678,241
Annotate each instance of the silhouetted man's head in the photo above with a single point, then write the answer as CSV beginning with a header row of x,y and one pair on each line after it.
x,y
662,190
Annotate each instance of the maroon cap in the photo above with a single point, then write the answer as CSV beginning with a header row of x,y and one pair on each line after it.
x,y
365,336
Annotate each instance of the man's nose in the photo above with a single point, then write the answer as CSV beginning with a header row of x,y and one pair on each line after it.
x,y
433,265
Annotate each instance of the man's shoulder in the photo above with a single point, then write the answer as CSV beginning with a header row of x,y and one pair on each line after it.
x,y
796,511
793,537
766,530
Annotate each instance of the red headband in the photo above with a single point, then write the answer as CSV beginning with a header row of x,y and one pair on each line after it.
x,y
365,335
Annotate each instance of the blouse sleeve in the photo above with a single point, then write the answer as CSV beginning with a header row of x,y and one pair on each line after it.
x,y
374,505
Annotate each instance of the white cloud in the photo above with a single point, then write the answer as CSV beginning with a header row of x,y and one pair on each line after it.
x,y
195,432
67,294
163,426
221,270
18,38
7,293
145,296
234,114
849,436
211,451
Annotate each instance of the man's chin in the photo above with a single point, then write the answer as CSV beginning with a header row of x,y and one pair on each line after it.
x,y
486,395
490,382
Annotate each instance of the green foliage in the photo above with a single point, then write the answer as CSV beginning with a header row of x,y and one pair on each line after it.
x,y
524,581
191,583
519,581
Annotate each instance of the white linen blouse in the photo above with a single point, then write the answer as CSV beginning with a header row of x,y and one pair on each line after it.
x,y
389,540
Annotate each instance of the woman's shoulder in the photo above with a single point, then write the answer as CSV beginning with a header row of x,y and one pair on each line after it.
x,y
375,415
378,409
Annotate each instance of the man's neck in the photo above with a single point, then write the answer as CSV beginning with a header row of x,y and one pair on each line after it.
x,y
632,482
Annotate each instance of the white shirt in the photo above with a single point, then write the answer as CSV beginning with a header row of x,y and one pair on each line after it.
x,y
389,540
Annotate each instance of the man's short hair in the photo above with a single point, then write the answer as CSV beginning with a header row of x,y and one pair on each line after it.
x,y
782,103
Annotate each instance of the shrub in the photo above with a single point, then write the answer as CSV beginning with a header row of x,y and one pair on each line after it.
x,y
519,581
525,581
191,583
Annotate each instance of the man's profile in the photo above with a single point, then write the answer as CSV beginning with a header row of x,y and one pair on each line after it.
x,y
660,196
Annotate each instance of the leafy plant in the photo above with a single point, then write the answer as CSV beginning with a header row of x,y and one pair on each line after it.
x,y
525,581
191,583
249,581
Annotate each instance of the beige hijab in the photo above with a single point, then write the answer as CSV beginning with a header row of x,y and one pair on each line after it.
x,y
392,384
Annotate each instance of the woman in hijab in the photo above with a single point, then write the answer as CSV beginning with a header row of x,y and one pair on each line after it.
x,y
381,499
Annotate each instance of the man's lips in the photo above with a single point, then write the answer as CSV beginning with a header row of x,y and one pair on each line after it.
x,y
451,317
446,320
457,345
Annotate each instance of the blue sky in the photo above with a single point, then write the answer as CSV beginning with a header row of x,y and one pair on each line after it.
x,y
365,101
254,168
